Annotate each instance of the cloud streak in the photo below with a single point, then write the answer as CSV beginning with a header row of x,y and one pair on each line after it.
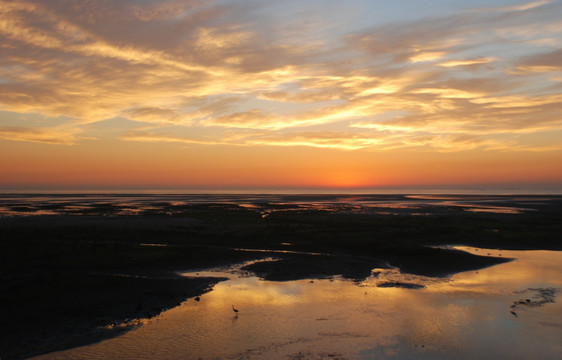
x,y
56,136
476,79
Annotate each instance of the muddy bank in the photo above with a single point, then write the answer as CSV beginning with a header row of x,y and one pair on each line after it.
x,y
68,286
64,310
425,261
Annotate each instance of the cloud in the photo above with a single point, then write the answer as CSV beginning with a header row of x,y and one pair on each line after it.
x,y
214,68
457,142
427,56
528,5
93,76
321,139
160,115
545,62
467,62
147,136
305,96
518,101
253,119
55,136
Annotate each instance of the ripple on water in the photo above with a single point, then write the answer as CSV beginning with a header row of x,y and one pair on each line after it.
x,y
464,317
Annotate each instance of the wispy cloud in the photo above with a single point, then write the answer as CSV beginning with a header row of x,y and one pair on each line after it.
x,y
522,6
446,83
545,62
467,62
147,136
56,136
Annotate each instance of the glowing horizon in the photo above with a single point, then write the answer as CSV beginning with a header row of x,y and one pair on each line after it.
x,y
295,94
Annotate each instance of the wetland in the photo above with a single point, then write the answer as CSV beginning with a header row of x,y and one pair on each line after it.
x,y
315,276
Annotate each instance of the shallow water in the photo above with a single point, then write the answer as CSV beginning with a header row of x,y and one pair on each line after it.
x,y
150,204
509,310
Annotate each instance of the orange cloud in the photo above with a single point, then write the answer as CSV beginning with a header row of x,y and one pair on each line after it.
x,y
56,136
230,74
467,62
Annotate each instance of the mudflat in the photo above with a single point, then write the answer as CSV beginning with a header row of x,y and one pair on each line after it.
x,y
79,269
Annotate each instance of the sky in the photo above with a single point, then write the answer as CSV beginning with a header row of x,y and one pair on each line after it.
x,y
280,94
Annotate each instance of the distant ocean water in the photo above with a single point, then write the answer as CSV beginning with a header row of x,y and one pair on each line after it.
x,y
170,203
523,190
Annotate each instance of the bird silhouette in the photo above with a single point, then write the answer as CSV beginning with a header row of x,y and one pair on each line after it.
x,y
235,310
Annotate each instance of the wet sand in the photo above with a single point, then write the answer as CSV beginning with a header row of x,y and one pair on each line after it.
x,y
71,276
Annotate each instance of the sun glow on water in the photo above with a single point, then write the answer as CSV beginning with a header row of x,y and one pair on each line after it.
x,y
339,318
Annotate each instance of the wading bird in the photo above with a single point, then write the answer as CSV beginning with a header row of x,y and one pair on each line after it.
x,y
235,310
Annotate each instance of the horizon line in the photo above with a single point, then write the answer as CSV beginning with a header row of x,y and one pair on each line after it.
x,y
460,190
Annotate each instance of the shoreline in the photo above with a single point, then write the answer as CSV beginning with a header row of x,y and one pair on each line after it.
x,y
67,280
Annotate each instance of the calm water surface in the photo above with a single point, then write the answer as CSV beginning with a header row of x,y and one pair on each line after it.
x,y
508,311
12,205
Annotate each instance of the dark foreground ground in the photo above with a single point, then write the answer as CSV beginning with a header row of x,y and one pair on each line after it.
x,y
73,279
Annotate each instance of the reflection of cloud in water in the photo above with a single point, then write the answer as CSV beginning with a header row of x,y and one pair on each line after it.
x,y
496,210
530,268
464,317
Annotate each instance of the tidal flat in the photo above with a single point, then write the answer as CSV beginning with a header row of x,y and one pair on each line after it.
x,y
83,273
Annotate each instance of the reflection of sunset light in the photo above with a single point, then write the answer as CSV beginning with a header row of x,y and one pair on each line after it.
x,y
449,318
527,268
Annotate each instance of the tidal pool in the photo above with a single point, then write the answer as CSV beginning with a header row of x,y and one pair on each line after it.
x,y
508,311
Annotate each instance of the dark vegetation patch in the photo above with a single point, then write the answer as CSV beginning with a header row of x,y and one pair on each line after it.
x,y
398,284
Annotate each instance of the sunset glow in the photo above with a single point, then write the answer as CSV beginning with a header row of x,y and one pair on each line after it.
x,y
295,94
